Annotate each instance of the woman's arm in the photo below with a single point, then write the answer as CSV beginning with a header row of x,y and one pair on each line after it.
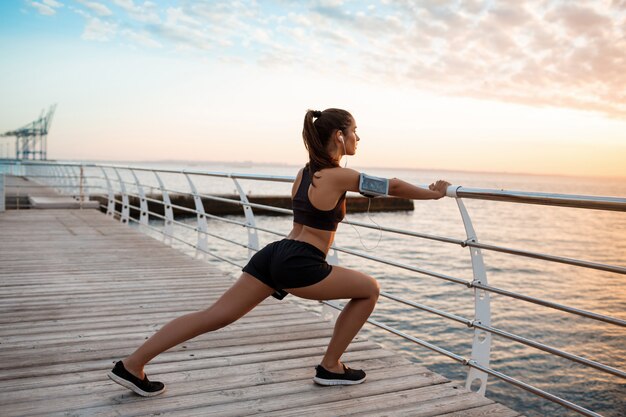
x,y
403,189
347,179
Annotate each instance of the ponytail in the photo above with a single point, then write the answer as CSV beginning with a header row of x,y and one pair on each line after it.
x,y
316,135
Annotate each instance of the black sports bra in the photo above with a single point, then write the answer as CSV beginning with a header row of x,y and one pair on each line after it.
x,y
305,213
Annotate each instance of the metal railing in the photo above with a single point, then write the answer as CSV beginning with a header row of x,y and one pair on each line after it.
x,y
81,179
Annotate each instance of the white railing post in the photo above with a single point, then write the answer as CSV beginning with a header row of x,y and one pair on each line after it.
x,y
62,178
67,174
168,229
125,210
2,208
253,238
76,180
329,313
87,192
72,188
81,191
202,245
77,191
66,189
481,343
143,203
48,175
111,193
42,173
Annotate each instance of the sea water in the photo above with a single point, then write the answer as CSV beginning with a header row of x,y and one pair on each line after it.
x,y
591,235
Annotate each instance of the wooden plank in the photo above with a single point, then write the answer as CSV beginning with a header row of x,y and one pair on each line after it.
x,y
97,399
240,335
206,378
79,290
163,368
490,410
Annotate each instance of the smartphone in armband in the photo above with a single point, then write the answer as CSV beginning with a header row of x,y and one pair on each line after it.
x,y
371,186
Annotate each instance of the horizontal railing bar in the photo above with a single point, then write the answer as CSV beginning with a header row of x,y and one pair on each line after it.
x,y
507,335
241,203
473,364
551,258
496,248
155,201
404,266
414,304
546,199
584,313
224,200
257,177
59,176
212,216
42,186
187,226
406,232
405,336
185,242
541,393
550,349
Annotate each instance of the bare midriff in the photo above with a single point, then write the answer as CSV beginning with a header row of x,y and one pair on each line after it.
x,y
321,239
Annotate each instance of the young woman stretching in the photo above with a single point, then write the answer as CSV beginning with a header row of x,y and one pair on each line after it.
x,y
295,265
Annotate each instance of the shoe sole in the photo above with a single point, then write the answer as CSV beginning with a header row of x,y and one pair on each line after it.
x,y
331,382
133,387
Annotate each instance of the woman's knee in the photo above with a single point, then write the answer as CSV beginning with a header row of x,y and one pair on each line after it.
x,y
374,288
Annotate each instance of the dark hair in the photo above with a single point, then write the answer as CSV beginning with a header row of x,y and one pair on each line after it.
x,y
316,135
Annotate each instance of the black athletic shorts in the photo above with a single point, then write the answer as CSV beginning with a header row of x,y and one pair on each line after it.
x,y
288,263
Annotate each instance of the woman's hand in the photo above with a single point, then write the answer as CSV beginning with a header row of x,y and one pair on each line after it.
x,y
440,188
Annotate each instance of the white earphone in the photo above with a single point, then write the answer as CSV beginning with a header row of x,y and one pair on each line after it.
x,y
345,152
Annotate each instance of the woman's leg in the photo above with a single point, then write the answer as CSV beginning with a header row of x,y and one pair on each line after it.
x,y
239,299
343,283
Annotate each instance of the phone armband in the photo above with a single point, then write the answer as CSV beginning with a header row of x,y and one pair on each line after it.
x,y
371,186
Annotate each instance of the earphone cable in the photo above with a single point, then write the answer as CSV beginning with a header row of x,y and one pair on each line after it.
x,y
369,202
380,230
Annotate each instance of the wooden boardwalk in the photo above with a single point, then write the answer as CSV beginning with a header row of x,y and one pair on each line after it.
x,y
79,290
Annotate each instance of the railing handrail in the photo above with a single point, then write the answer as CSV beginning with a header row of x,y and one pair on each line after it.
x,y
547,199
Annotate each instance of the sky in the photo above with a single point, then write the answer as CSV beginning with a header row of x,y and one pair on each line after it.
x,y
531,86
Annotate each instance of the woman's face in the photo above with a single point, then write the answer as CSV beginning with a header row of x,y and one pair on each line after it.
x,y
351,138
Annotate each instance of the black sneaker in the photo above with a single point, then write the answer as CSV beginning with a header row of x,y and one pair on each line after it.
x,y
349,377
144,387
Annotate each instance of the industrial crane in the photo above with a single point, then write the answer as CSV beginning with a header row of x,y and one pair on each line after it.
x,y
31,141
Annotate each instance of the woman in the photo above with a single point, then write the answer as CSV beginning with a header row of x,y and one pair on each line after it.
x,y
295,265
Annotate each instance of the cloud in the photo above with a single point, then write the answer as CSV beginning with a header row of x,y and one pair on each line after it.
x,y
146,12
535,52
46,7
52,3
544,54
141,38
99,30
97,8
